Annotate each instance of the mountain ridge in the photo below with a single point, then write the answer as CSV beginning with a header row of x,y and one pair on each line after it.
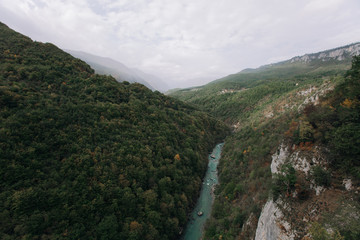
x,y
342,53
339,53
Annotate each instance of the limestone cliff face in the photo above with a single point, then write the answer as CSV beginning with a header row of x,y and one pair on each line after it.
x,y
271,224
297,158
339,54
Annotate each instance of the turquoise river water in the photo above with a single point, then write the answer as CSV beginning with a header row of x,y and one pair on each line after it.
x,y
194,228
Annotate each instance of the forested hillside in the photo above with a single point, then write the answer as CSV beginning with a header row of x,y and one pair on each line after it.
x,y
85,157
285,103
235,97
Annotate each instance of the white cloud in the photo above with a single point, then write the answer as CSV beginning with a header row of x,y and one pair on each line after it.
x,y
180,40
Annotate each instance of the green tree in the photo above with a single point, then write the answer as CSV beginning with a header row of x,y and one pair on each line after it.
x,y
284,181
321,176
306,132
107,228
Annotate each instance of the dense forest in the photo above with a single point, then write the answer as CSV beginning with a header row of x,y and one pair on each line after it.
x,y
83,156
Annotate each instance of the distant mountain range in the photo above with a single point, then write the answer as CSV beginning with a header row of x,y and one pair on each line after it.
x,y
297,70
119,71
339,54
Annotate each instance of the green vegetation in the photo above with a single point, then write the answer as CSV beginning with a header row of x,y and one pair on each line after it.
x,y
344,219
239,97
319,233
321,176
85,157
245,180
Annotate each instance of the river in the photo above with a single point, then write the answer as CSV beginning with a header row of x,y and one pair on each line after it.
x,y
194,228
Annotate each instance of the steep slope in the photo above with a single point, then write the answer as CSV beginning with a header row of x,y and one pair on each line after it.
x,y
119,71
83,156
264,105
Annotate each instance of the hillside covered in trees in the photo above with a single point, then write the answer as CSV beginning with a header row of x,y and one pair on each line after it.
x,y
83,156
309,108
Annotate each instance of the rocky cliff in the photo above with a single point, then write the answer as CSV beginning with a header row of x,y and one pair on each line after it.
x,y
291,216
338,54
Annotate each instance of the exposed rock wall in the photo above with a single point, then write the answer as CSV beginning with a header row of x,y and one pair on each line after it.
x,y
289,218
271,225
313,94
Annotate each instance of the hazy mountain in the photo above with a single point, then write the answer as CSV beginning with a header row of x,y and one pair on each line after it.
x,y
156,82
119,71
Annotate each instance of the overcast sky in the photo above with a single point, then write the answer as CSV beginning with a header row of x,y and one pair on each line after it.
x,y
188,39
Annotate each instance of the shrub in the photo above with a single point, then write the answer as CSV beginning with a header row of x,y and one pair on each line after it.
x,y
321,176
240,219
319,233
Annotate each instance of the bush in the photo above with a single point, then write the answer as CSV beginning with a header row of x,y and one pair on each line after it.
x,y
319,233
346,141
240,219
306,131
321,176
